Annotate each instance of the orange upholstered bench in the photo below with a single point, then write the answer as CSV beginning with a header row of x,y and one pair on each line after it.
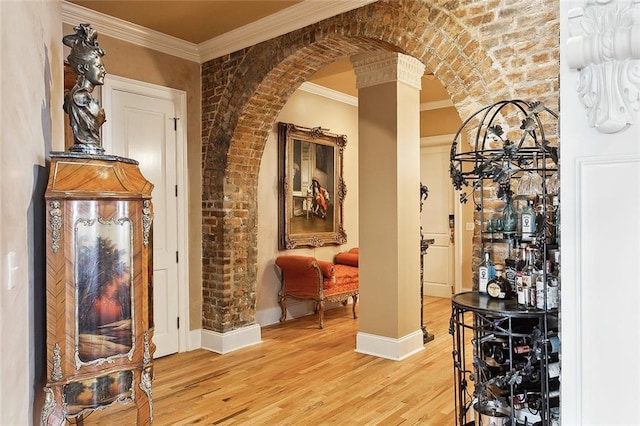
x,y
305,277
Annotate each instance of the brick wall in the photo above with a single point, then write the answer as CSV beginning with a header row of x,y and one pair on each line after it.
x,y
481,51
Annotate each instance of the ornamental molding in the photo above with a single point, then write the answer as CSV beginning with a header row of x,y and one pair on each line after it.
x,y
376,68
604,46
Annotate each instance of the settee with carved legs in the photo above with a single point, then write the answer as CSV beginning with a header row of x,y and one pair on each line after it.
x,y
305,277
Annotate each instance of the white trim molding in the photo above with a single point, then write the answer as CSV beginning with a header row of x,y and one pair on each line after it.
x,y
73,14
329,93
604,45
195,339
230,341
428,106
290,19
437,140
390,348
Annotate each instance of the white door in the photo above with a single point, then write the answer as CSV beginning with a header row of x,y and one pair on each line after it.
x,y
143,127
438,262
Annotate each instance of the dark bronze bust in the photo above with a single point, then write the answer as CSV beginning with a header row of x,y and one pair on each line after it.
x,y
85,114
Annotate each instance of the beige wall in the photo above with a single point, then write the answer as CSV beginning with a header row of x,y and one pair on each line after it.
x,y
441,121
138,63
309,110
31,125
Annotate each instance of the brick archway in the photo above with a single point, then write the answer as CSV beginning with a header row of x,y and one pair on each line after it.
x,y
243,93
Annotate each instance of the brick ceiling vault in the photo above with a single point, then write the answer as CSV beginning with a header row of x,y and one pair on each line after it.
x,y
244,92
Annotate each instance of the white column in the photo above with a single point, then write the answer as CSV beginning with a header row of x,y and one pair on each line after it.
x,y
389,203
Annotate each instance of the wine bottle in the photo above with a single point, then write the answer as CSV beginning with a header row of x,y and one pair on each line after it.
x,y
486,272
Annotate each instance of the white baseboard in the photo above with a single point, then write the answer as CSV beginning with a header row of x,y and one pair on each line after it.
x,y
437,290
389,348
223,343
194,339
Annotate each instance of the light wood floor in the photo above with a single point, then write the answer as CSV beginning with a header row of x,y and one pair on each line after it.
x,y
301,375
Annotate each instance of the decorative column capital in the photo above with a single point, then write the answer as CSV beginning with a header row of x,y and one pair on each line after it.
x,y
604,46
375,68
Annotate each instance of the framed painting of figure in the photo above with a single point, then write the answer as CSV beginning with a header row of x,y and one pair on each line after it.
x,y
311,187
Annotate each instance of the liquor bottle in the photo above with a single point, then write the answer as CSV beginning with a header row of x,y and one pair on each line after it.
x,y
556,219
511,265
541,291
547,291
528,221
520,289
499,287
528,280
486,272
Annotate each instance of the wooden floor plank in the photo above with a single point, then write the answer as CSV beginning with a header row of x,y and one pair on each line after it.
x,y
301,375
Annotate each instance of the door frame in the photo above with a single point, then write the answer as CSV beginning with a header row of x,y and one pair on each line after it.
x,y
179,99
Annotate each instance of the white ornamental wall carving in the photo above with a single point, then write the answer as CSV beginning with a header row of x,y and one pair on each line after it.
x,y
604,46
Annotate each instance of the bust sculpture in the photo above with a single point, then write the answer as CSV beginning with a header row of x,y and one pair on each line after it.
x,y
85,114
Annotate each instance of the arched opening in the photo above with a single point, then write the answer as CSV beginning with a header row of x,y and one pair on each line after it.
x,y
243,94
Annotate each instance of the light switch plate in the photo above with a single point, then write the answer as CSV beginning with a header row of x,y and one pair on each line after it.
x,y
469,226
12,270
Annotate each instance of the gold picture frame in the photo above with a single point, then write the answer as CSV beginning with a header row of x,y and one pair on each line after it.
x,y
311,187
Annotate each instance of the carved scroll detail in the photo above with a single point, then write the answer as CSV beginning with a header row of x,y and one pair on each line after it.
x,y
146,355
56,373
605,47
56,224
48,407
146,222
145,385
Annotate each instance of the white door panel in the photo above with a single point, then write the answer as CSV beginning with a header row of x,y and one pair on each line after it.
x,y
143,129
438,262
438,255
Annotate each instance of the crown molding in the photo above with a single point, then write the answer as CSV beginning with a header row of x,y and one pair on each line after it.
x,y
374,68
292,18
73,14
329,93
428,106
438,140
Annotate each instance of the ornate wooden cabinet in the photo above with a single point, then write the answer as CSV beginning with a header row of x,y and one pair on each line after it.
x,y
99,287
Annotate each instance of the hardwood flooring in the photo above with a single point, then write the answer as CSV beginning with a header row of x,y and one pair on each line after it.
x,y
301,375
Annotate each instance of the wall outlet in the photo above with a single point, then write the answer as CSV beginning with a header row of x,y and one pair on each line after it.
x,y
469,226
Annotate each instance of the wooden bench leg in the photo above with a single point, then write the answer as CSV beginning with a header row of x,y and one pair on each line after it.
x,y
321,312
355,301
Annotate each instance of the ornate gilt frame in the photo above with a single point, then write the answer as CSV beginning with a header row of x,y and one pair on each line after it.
x,y
307,155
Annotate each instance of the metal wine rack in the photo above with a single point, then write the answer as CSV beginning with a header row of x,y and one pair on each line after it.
x,y
502,352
